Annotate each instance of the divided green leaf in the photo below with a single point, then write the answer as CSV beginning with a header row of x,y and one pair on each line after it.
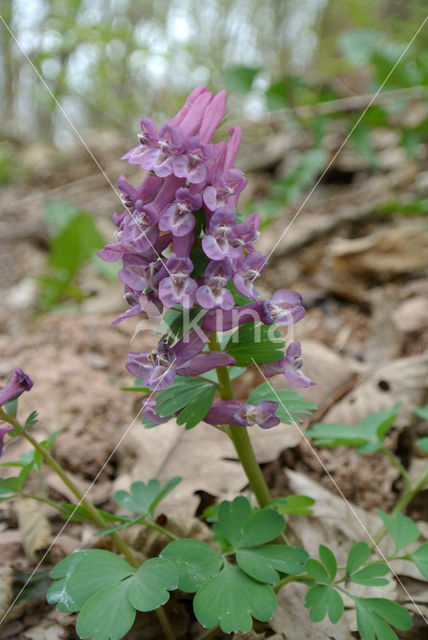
x,y
420,558
192,395
255,342
367,436
195,561
150,585
402,529
322,599
329,561
373,614
290,403
144,498
264,563
295,505
107,615
243,526
422,412
231,599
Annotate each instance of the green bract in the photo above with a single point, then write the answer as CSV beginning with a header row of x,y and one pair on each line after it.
x,y
290,403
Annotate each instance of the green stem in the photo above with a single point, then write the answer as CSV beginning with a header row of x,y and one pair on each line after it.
x,y
210,633
95,515
240,438
286,580
395,461
412,490
51,503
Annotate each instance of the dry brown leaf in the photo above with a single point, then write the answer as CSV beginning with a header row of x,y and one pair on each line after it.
x,y
412,314
393,250
384,342
44,632
34,527
204,457
6,592
380,388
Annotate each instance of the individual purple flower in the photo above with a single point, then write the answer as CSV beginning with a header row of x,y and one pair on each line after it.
x,y
159,159
3,432
178,288
236,412
213,293
159,368
246,233
192,164
148,413
225,190
247,269
142,271
19,383
291,366
147,305
284,308
148,139
216,244
177,216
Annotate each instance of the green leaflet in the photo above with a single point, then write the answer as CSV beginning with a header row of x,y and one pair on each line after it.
x,y
290,403
231,599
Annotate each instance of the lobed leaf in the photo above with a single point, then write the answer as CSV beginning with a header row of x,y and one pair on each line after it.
x,y
323,599
402,529
243,527
231,599
144,498
194,560
263,563
253,343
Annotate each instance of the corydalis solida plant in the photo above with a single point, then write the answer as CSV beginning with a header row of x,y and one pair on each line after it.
x,y
182,245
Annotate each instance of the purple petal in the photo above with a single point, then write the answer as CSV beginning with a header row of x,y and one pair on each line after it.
x,y
298,378
19,383
205,362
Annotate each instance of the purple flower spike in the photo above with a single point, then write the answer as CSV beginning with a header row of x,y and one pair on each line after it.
x,y
149,406
291,366
3,432
224,192
19,383
178,217
284,308
213,293
216,244
247,270
178,288
192,165
236,412
171,143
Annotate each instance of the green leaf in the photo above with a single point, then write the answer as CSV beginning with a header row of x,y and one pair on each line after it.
x,y
240,78
422,412
367,435
58,214
230,598
107,615
358,555
195,561
293,402
423,444
76,243
322,599
420,558
196,410
32,420
402,528
296,505
150,585
317,570
328,560
255,342
182,392
243,527
83,574
370,612
263,563
144,498
371,575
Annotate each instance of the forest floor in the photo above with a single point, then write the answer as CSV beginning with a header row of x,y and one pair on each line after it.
x,y
363,277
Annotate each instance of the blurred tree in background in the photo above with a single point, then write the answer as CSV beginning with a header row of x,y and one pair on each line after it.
x,y
108,61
